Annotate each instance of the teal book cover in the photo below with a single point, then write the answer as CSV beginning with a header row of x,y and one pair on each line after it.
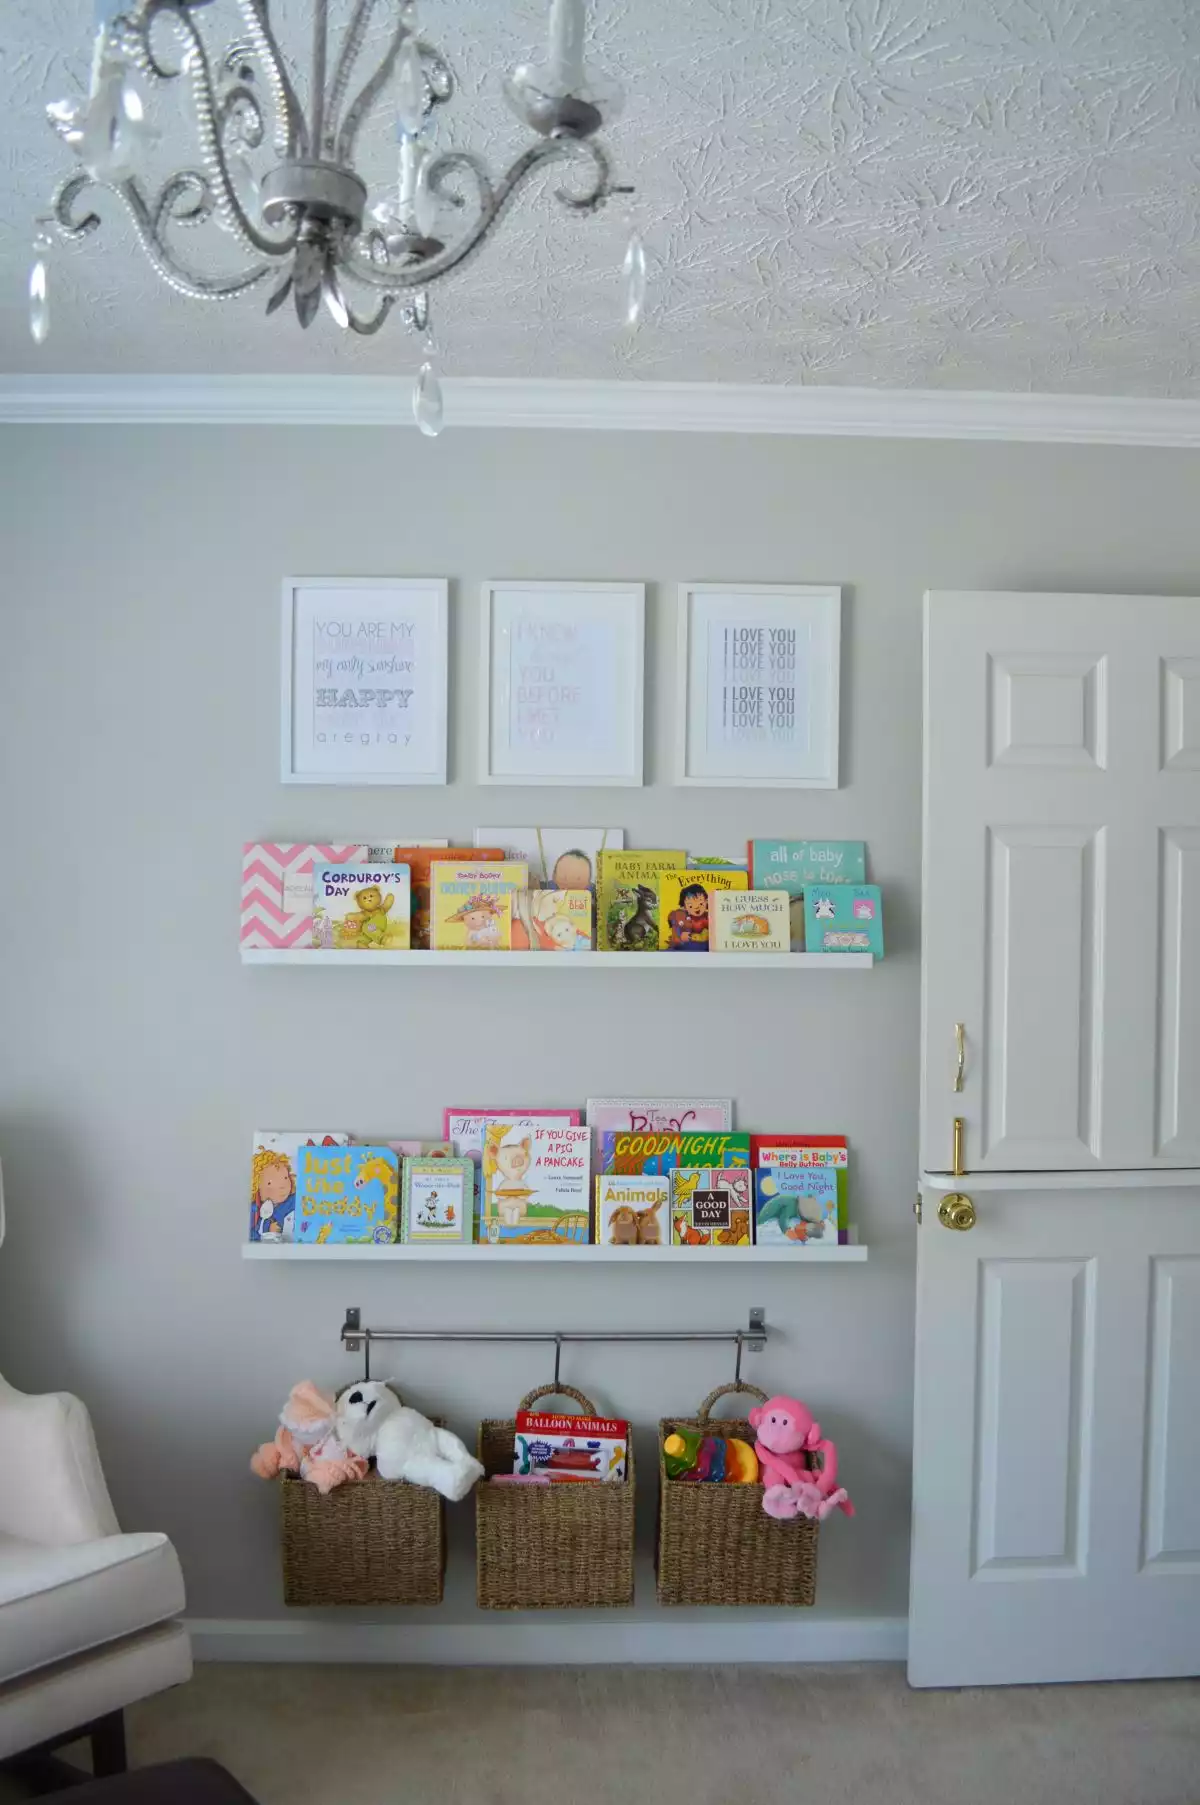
x,y
843,918
791,865
347,1194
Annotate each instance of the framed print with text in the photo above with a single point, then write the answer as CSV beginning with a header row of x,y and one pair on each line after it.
x,y
561,679
757,685
364,680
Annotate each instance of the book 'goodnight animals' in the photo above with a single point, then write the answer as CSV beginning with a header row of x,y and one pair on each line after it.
x,y
662,1152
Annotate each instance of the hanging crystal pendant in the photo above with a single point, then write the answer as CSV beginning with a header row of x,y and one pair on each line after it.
x,y
633,271
428,407
39,299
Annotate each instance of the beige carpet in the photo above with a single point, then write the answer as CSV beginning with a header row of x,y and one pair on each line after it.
x,y
674,1736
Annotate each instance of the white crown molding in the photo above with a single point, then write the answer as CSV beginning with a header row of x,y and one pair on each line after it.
x,y
601,406
779,1639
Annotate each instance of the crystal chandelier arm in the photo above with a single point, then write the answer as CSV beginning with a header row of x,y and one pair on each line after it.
x,y
316,97
209,117
291,131
186,199
441,87
352,44
492,203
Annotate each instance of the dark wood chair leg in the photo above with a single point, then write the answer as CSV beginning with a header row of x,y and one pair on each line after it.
x,y
108,1746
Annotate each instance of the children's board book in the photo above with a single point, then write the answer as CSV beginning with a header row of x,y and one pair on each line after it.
x,y
843,918
711,1206
792,865
825,1150
559,858
277,889
662,1152
570,1447
683,905
536,1184
420,859
632,1211
464,1129
361,907
471,911
551,921
438,1201
273,1179
627,916
751,921
346,1194
639,1115
796,1206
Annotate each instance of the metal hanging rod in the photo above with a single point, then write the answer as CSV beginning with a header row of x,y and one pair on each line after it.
x,y
752,1339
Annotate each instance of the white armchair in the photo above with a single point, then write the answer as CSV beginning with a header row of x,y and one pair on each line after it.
x,y
86,1613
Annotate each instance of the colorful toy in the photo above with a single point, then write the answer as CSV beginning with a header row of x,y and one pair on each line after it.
x,y
711,1459
406,1445
307,1443
799,1465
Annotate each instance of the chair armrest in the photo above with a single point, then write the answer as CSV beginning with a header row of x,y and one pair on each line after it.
x,y
52,1486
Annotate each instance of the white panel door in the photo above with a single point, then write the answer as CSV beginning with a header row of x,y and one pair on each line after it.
x,y
1061,915
1056,1490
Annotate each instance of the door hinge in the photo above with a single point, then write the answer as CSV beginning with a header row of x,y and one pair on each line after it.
x,y
917,1209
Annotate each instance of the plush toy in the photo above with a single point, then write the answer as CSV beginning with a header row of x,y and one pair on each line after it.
x,y
307,1443
713,1459
799,1466
406,1445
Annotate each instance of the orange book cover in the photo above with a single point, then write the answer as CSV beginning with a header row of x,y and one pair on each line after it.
x,y
419,859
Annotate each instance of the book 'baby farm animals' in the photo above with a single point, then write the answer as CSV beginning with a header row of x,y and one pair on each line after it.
x,y
273,1179
535,1184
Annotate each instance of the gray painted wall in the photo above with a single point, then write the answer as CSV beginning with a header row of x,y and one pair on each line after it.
x,y
139,726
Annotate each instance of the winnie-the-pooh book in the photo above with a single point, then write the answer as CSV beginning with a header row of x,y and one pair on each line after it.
x,y
535,1184
632,1210
362,908
471,909
711,1207
273,1168
346,1194
683,906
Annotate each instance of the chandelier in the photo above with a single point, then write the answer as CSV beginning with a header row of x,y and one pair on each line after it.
x,y
279,175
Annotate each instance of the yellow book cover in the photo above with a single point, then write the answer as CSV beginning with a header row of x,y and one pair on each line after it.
x,y
364,907
683,906
471,907
627,918
751,921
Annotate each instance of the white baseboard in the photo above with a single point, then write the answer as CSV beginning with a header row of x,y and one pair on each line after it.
x,y
602,1639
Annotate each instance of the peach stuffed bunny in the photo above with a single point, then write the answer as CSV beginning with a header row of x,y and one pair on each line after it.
x,y
306,1418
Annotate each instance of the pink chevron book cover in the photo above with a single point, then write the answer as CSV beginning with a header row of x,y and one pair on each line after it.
x,y
277,885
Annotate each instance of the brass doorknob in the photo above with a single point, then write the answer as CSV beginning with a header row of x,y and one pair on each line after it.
x,y
956,1211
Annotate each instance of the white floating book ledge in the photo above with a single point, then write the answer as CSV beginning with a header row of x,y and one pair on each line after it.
x,y
413,1253
777,963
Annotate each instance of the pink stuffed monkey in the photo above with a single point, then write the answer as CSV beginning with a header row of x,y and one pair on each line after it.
x,y
786,1436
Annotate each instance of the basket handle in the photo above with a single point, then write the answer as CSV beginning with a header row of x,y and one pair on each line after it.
x,y
562,1391
725,1391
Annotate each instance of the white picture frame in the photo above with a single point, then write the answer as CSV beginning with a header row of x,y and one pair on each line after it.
x,y
402,739
586,703
726,731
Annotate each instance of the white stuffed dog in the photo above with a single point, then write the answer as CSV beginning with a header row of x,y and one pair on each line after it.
x,y
406,1445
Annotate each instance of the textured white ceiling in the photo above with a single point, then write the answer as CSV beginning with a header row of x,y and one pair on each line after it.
x,y
996,194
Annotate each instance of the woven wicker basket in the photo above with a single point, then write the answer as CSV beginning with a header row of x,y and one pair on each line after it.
x,y
379,1541
550,1547
716,1544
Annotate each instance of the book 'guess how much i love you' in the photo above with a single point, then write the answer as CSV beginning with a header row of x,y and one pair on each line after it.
x,y
684,901
361,907
631,1211
751,921
711,1206
535,1185
471,906
346,1194
628,914
659,1153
